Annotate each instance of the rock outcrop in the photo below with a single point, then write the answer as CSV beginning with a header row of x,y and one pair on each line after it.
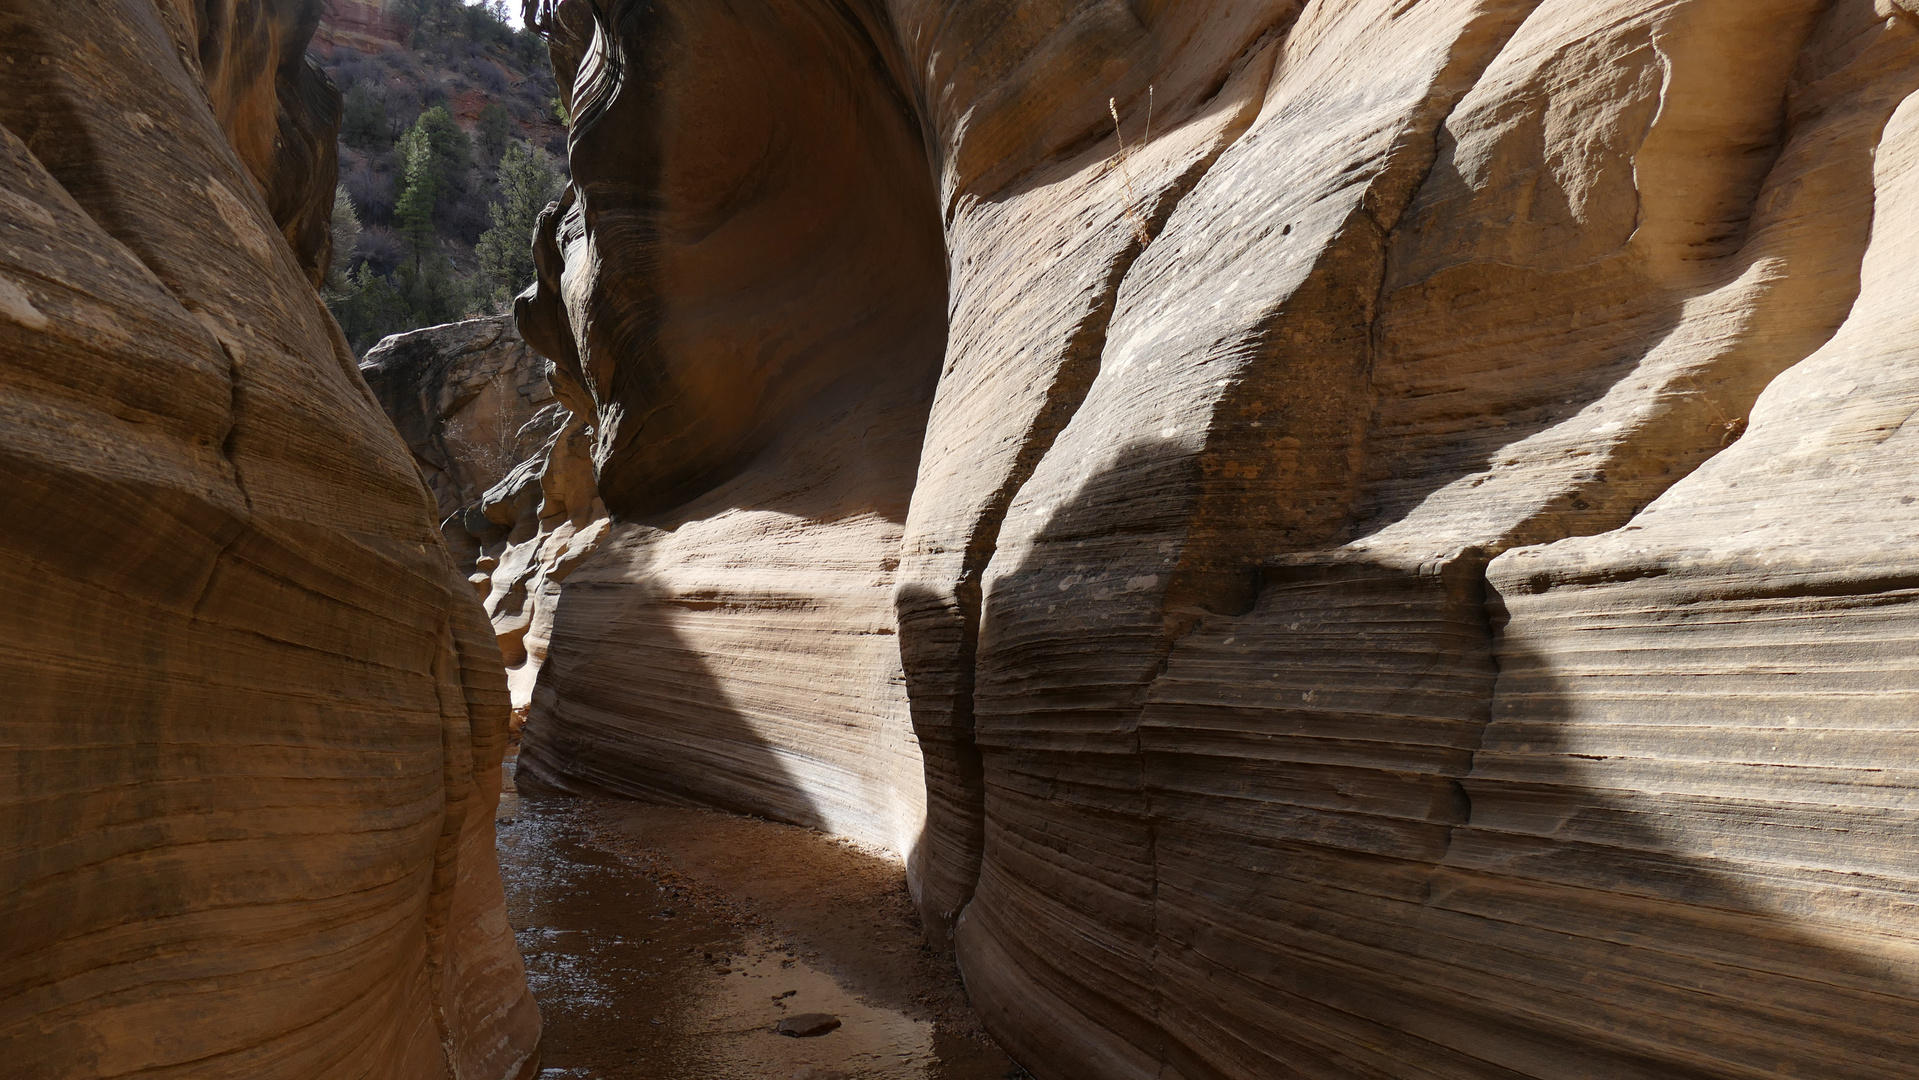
x,y
508,464
254,720
1403,569
472,401
365,25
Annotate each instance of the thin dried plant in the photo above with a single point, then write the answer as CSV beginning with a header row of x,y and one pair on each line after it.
x,y
1140,232
1730,428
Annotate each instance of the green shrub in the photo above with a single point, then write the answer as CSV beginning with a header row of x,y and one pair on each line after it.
x,y
363,121
528,181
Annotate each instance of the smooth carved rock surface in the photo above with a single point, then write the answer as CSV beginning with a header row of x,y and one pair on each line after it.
x,y
280,112
254,720
1403,570
733,639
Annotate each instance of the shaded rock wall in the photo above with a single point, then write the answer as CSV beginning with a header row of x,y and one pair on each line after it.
x,y
280,112
471,400
1407,564
254,721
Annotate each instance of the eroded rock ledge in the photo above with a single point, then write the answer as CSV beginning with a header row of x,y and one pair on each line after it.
x,y
1354,538
253,720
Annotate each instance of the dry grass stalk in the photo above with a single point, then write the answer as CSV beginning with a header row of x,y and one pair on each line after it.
x,y
1140,232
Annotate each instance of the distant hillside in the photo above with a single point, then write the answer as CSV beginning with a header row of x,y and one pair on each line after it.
x,y
451,131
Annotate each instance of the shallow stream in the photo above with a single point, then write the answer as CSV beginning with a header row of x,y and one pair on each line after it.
x,y
667,944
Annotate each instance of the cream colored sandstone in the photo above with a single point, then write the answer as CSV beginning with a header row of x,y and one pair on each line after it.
x,y
1403,575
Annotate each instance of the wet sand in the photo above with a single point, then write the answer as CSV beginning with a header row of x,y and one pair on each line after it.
x,y
667,944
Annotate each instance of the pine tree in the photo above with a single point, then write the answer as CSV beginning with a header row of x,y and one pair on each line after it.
x,y
437,156
414,211
345,237
495,125
368,309
528,182
363,120
432,295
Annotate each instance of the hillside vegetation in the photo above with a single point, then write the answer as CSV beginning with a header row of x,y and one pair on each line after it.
x,y
450,145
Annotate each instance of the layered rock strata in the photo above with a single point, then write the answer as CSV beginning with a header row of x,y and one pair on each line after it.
x,y
254,720
1406,567
365,25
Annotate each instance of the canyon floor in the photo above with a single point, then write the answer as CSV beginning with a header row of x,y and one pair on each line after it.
x,y
668,944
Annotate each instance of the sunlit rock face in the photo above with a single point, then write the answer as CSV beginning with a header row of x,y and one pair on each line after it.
x,y
1393,514
253,720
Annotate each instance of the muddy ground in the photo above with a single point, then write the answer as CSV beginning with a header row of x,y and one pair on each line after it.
x,y
667,944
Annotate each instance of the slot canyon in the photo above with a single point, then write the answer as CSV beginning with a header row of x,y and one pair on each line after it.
x,y
1072,539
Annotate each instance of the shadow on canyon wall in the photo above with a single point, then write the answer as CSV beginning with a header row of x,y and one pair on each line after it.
x,y
739,650
1360,823
630,707
1272,834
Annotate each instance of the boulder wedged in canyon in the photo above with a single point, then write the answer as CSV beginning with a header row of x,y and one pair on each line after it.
x,y
254,720
1405,573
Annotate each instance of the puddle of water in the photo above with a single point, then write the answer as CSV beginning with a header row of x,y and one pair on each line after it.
x,y
638,981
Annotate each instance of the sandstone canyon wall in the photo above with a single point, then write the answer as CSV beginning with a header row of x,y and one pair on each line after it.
x,y
755,356
253,720
1344,538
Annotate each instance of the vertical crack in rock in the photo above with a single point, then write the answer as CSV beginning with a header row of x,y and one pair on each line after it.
x,y
938,598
